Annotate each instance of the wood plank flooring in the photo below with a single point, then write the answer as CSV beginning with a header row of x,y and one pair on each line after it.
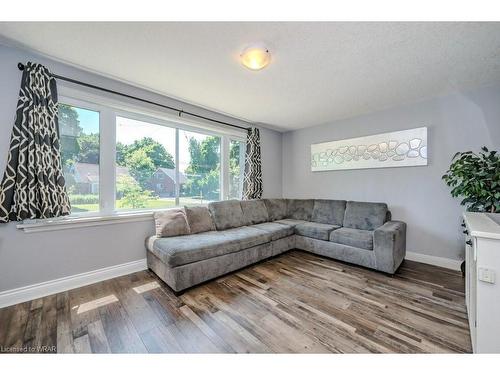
x,y
295,303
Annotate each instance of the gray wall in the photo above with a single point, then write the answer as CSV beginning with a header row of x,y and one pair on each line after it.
x,y
417,195
29,258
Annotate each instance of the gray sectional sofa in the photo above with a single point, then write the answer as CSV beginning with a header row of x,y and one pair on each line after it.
x,y
361,233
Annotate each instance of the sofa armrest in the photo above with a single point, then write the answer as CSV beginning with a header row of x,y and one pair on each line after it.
x,y
389,245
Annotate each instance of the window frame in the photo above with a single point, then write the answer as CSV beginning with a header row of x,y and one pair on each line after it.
x,y
109,109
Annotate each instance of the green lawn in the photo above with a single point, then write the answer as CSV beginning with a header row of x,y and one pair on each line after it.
x,y
151,204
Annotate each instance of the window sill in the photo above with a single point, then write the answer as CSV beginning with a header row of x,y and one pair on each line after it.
x,y
44,225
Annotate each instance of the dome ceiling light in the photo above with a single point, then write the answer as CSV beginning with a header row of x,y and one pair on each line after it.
x,y
255,57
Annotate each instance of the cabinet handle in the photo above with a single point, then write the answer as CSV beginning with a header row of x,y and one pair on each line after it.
x,y
468,242
463,224
466,231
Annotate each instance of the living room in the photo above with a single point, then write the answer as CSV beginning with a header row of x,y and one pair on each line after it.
x,y
253,187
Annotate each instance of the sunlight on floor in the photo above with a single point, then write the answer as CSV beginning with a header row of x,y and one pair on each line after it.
x,y
84,307
145,287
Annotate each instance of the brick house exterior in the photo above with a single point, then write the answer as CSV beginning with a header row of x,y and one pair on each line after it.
x,y
163,182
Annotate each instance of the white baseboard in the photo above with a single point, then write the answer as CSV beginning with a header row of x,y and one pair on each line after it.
x,y
452,264
27,293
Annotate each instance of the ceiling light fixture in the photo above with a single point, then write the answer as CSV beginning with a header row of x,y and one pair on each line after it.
x,y
255,57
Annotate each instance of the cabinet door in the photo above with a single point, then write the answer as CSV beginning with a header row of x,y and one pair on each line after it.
x,y
467,276
471,289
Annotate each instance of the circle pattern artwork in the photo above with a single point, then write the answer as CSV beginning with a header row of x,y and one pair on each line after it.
x,y
383,151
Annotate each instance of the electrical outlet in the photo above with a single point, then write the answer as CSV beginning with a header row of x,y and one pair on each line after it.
x,y
487,275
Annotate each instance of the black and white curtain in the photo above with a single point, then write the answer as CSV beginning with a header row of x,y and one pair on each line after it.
x,y
252,181
33,185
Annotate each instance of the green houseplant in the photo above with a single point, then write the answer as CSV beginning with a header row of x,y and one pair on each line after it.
x,y
476,179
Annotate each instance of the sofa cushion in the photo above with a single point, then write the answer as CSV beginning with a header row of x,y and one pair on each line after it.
x,y
177,251
300,209
199,219
290,222
365,215
319,231
276,231
276,208
254,211
226,214
353,237
328,211
171,223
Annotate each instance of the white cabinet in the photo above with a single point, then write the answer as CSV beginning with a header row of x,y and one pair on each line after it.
x,y
482,291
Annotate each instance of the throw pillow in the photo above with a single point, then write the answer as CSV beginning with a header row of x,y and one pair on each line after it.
x,y
199,219
171,223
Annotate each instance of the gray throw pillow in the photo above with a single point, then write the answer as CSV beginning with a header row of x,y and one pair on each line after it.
x,y
199,219
171,223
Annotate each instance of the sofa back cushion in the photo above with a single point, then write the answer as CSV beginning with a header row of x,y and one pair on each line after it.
x,y
254,211
328,211
199,219
171,223
365,215
226,214
276,208
300,209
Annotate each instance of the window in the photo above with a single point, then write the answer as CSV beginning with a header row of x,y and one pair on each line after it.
x,y
79,133
145,165
199,168
236,168
119,158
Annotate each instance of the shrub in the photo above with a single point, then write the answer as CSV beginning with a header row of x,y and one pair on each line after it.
x,y
84,198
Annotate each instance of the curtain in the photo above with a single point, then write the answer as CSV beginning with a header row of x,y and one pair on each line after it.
x,y
33,185
252,180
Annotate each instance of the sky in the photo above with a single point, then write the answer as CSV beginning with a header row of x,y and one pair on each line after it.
x,y
89,120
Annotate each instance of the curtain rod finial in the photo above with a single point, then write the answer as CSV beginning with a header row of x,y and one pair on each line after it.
x,y
20,66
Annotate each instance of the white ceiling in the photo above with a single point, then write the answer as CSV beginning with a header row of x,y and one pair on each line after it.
x,y
320,72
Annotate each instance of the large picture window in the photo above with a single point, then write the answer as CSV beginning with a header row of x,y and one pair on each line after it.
x,y
199,166
80,151
118,159
145,165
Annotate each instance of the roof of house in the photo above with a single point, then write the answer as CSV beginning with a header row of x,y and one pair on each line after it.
x,y
89,173
171,173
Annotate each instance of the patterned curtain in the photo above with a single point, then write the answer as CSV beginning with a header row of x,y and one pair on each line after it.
x,y
252,181
33,185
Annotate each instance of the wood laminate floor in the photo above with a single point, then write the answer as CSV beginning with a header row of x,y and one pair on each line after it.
x,y
297,302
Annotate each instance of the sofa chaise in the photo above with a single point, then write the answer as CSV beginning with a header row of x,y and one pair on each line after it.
x,y
247,232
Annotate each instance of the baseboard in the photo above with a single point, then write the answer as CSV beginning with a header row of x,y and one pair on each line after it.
x,y
452,264
27,293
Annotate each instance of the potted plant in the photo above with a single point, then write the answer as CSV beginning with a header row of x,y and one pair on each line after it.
x,y
475,178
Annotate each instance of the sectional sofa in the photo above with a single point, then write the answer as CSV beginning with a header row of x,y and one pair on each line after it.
x,y
246,232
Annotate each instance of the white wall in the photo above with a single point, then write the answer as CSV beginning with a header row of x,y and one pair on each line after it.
x,y
417,195
29,258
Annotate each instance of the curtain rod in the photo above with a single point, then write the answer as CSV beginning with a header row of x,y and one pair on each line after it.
x,y
180,111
